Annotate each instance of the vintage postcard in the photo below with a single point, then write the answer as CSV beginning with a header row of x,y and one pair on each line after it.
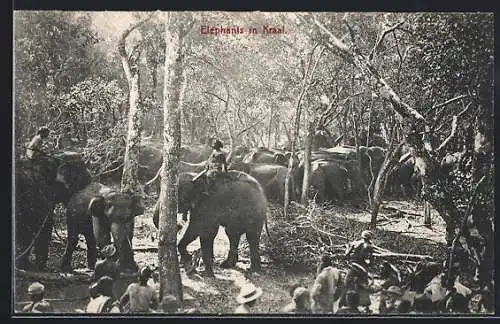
x,y
280,163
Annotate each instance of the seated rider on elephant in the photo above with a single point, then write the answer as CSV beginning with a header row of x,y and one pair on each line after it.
x,y
39,149
216,166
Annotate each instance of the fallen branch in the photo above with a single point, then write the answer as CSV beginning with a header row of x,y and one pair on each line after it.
x,y
401,211
51,276
402,255
145,249
328,234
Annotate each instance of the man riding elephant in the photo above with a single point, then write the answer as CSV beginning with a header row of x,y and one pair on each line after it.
x,y
40,146
237,202
216,166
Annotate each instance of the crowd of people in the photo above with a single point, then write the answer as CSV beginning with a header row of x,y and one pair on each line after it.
x,y
139,297
333,291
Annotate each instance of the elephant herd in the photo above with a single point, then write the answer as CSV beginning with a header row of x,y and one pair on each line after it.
x,y
238,202
92,209
101,213
337,174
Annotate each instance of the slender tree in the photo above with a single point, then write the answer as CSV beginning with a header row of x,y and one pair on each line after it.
x,y
177,26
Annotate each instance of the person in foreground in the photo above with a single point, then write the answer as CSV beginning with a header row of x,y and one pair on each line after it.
x,y
141,297
247,298
301,301
36,292
104,302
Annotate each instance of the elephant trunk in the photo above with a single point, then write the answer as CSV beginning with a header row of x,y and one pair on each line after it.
x,y
101,231
122,237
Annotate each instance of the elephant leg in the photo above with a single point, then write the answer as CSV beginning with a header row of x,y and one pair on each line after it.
x,y
91,247
207,249
71,243
253,238
23,238
42,244
189,236
234,241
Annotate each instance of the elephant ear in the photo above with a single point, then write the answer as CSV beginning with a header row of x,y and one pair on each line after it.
x,y
137,205
96,206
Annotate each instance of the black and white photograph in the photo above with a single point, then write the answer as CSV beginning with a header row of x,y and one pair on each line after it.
x,y
214,163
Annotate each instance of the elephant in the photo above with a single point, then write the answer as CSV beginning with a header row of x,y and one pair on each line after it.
x,y
241,150
195,153
272,178
265,155
39,186
237,202
150,160
372,158
329,181
96,212
402,180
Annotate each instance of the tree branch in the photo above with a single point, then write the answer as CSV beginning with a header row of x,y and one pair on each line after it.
x,y
215,95
351,31
381,38
440,115
385,91
452,134
251,126
121,46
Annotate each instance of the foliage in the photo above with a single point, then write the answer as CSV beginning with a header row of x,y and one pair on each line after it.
x,y
53,51
91,107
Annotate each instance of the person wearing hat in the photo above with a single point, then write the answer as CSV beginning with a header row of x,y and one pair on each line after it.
x,y
301,301
36,292
107,266
389,300
141,297
104,302
361,251
216,165
247,298
39,145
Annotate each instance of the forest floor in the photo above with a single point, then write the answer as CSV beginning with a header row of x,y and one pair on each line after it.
x,y
218,295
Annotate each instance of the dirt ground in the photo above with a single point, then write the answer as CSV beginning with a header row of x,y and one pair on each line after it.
x,y
217,295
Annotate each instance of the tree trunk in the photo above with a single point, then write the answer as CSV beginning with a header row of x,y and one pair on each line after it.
x,y
307,165
131,160
380,182
129,181
269,126
427,214
173,92
305,86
